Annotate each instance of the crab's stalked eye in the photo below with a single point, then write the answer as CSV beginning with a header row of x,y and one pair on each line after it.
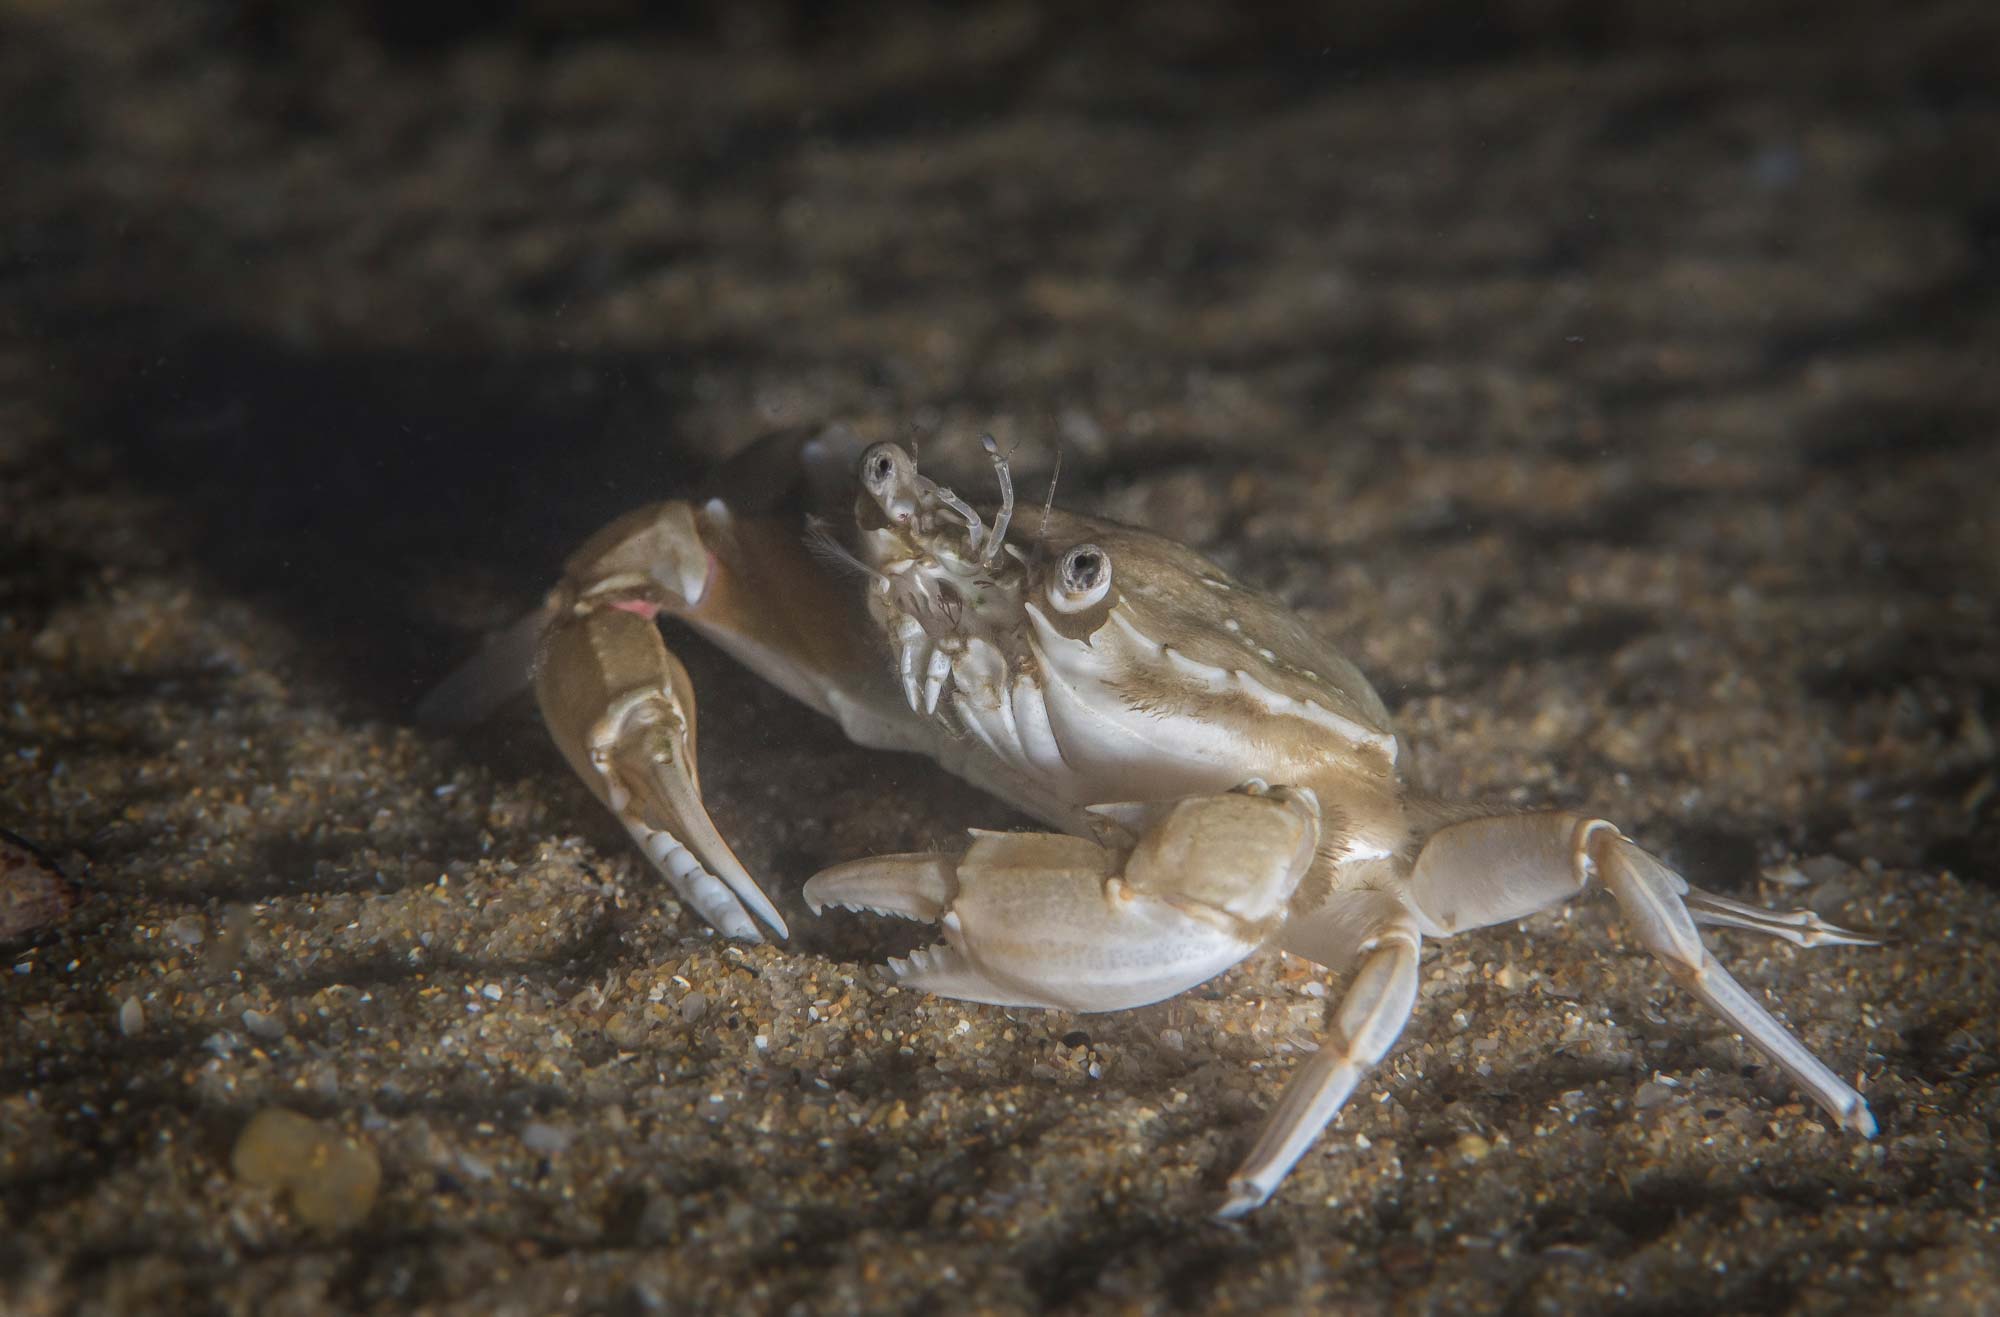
x,y
882,467
1081,580
889,475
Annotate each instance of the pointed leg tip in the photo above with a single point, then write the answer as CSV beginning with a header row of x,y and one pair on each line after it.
x,y
1244,1198
1860,1121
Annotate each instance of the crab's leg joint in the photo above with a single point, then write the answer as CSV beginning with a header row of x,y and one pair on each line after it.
x,y
1485,871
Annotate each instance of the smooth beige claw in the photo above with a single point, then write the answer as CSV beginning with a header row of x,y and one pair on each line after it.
x,y
619,703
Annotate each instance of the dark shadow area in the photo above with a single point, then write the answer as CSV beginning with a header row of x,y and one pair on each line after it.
x,y
1353,39
335,489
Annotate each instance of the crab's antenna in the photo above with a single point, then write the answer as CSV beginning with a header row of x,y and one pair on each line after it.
x,y
1049,504
1048,508
1006,513
975,529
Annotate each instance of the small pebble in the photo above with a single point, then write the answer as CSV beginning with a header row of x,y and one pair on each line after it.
x,y
549,1140
331,1178
131,1018
269,1028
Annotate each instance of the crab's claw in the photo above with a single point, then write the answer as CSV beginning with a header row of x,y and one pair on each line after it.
x,y
1036,919
619,705
618,702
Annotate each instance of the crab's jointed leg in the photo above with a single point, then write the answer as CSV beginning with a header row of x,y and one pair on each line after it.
x,y
1373,934
1489,870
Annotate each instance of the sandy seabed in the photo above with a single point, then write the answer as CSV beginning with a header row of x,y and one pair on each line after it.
x,y
1619,389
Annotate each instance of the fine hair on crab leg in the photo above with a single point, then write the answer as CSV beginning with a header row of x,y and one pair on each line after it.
x,y
1373,929
1485,871
823,544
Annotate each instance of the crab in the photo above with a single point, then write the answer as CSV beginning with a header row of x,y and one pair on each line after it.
x,y
1221,780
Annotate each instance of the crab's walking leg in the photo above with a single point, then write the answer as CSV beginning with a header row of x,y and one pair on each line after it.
x,y
1801,928
1486,871
1650,894
1370,930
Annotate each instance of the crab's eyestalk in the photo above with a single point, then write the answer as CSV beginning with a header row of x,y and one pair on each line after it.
x,y
1082,579
890,477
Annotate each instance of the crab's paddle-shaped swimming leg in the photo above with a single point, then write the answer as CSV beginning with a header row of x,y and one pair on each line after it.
x,y
1489,870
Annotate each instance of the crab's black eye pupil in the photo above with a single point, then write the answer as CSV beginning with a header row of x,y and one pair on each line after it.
x,y
1086,566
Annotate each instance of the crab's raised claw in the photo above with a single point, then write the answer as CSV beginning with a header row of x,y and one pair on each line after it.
x,y
620,707
1036,919
619,703
1489,870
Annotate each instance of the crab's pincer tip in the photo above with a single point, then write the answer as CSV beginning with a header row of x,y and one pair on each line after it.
x,y
917,887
